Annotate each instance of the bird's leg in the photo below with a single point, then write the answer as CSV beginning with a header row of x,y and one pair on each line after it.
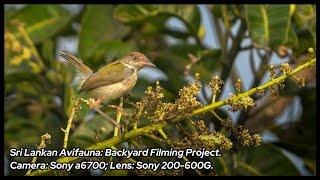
x,y
115,123
117,107
119,114
96,105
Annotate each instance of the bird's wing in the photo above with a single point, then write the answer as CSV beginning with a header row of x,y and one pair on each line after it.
x,y
110,74
83,71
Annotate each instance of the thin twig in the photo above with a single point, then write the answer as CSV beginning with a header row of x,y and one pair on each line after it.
x,y
224,165
115,123
67,130
196,170
249,47
251,58
34,159
249,168
162,133
42,144
217,116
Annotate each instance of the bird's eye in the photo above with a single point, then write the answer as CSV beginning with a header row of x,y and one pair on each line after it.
x,y
135,57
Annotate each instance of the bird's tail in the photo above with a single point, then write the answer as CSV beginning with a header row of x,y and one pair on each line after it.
x,y
83,71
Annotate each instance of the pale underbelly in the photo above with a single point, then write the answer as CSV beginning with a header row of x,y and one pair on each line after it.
x,y
114,91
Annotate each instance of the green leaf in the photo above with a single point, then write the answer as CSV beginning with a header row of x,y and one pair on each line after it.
x,y
98,31
112,50
305,20
304,16
18,77
265,160
268,25
41,21
306,40
292,38
47,52
258,25
133,14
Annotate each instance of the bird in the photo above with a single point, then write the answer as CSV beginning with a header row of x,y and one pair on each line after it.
x,y
112,80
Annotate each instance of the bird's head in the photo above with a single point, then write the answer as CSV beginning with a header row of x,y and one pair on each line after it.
x,y
137,60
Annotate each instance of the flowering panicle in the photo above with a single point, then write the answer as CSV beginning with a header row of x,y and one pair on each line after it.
x,y
215,84
18,51
152,107
246,139
239,104
204,140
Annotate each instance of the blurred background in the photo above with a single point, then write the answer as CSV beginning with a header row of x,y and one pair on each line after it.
x,y
231,41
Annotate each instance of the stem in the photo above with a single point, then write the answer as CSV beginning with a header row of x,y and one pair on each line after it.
x,y
196,170
130,159
119,114
251,57
67,130
161,132
249,168
217,116
234,164
134,143
135,125
224,165
40,146
214,95
155,127
34,159
231,55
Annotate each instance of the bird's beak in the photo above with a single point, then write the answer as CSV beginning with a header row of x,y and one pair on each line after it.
x,y
149,64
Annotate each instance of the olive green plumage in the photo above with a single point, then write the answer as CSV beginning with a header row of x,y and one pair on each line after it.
x,y
110,81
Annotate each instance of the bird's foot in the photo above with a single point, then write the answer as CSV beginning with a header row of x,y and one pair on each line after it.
x,y
96,104
118,108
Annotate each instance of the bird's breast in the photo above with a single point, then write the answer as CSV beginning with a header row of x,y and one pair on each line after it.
x,y
116,90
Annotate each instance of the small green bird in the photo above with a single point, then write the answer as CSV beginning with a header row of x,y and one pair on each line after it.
x,y
111,81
